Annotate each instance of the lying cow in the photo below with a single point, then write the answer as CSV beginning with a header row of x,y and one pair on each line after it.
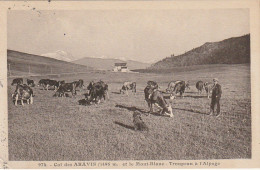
x,y
200,86
180,88
30,83
208,88
64,88
128,86
154,96
23,92
17,81
97,91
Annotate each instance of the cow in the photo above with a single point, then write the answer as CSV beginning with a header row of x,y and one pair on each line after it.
x,y
23,92
208,88
128,86
200,86
171,86
65,87
180,87
153,84
30,83
17,81
79,84
46,83
155,97
97,91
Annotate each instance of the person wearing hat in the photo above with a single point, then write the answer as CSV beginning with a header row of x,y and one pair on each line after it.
x,y
216,95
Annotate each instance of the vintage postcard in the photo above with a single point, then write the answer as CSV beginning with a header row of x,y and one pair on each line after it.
x,y
129,84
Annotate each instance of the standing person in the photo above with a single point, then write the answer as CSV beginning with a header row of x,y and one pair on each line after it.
x,y
216,95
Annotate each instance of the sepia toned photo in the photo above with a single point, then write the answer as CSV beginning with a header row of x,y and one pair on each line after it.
x,y
141,87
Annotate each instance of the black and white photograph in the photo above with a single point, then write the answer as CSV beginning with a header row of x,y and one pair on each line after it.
x,y
133,84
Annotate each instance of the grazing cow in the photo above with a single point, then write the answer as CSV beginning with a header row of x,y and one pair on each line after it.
x,y
171,86
97,91
208,88
65,87
180,88
79,84
128,86
23,92
155,97
30,83
46,83
17,81
200,86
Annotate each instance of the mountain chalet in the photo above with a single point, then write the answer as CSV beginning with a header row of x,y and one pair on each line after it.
x,y
120,67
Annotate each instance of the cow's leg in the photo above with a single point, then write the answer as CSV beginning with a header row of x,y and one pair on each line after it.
x,y
28,101
47,87
107,95
22,102
16,99
31,99
127,92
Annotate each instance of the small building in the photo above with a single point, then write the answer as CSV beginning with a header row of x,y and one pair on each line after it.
x,y
120,67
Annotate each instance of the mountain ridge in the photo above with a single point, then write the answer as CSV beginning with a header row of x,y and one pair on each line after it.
x,y
235,50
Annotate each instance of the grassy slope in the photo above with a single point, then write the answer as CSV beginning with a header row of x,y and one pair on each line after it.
x,y
230,51
20,62
60,129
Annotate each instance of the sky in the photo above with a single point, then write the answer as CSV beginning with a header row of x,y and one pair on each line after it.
x,y
141,35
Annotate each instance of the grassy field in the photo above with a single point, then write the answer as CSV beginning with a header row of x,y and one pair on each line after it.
x,y
61,129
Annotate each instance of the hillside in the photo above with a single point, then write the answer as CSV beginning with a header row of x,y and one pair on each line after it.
x,y
108,64
23,63
230,51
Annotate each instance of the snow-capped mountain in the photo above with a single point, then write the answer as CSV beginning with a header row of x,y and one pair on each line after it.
x,y
60,55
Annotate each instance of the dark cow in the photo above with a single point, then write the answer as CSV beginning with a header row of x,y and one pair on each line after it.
x,y
64,88
79,84
23,92
97,91
46,83
30,83
154,96
208,88
152,84
200,86
128,86
17,81
180,88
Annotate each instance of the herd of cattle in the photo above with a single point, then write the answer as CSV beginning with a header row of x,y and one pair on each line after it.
x,y
98,90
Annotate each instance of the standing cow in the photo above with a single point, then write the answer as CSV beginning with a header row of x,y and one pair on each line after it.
x,y
200,86
155,97
23,92
208,88
128,86
97,91
66,87
30,83
180,87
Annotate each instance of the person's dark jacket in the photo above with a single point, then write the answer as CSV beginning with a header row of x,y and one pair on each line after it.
x,y
216,91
